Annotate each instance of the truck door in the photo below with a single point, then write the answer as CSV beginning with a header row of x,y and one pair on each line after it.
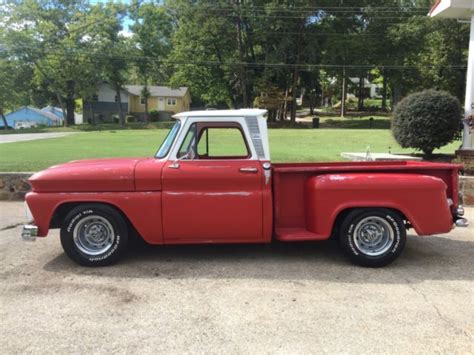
x,y
214,192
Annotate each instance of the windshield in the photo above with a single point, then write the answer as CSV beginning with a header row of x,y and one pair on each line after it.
x,y
166,145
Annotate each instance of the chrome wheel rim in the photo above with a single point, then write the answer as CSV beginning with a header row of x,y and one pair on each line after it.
x,y
93,235
373,236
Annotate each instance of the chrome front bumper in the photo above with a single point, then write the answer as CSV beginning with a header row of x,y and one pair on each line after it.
x,y
460,221
29,232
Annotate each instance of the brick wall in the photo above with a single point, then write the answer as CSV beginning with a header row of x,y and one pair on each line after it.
x,y
467,187
14,186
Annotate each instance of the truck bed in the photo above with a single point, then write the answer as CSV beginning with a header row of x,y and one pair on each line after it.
x,y
290,192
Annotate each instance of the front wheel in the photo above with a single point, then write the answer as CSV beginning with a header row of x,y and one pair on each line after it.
x,y
94,235
372,237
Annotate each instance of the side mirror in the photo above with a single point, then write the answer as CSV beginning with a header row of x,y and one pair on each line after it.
x,y
190,155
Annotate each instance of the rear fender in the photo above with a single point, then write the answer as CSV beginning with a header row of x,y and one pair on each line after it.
x,y
420,198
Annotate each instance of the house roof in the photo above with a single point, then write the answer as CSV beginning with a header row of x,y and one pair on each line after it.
x,y
356,80
57,111
460,9
46,114
157,90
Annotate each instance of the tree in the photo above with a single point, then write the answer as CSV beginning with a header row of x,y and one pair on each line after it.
x,y
152,43
14,85
427,120
111,49
431,54
51,37
203,45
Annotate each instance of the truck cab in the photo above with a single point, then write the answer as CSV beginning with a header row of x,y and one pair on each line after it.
x,y
211,181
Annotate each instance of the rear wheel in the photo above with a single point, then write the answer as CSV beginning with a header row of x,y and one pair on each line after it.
x,y
94,235
372,237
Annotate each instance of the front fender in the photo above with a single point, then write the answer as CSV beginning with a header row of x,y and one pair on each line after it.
x,y
421,198
143,209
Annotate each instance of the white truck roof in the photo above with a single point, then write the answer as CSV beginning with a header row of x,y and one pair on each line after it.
x,y
252,121
244,112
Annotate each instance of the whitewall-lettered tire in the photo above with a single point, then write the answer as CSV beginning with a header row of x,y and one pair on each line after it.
x,y
94,235
372,237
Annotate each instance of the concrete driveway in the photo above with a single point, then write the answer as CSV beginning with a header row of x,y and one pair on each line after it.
x,y
11,138
283,298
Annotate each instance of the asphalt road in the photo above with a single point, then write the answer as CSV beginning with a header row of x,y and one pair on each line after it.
x,y
19,137
283,298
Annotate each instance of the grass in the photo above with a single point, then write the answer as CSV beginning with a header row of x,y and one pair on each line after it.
x,y
89,128
285,145
364,122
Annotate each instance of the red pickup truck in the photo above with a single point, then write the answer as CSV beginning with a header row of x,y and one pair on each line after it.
x,y
211,181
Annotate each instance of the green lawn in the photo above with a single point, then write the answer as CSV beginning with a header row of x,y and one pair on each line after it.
x,y
285,145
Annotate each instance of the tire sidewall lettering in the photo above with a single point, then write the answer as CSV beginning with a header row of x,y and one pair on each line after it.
x,y
97,258
350,239
396,232
76,218
109,252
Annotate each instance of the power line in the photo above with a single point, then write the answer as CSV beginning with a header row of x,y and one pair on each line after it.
x,y
58,52
88,58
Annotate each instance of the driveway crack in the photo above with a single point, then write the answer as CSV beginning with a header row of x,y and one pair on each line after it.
x,y
437,310
11,226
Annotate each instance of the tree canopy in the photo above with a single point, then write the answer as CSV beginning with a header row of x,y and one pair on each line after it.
x,y
237,53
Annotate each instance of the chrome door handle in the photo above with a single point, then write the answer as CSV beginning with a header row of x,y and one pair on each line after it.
x,y
175,165
248,170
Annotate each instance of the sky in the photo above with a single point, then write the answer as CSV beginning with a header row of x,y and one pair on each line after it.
x,y
127,22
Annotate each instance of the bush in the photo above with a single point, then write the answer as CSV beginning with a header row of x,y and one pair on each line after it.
x,y
153,115
427,120
130,118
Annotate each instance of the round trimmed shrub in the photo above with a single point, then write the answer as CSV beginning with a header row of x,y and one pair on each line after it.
x,y
427,120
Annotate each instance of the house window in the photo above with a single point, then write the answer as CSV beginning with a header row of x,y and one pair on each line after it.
x,y
171,101
142,100
95,98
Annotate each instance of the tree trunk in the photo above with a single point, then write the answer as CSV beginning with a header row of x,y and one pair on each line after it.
x,y
91,112
250,41
272,115
221,73
427,154
56,91
61,103
344,94
4,119
145,91
360,99
119,103
285,105
242,69
70,108
70,103
395,95
384,91
146,110
293,95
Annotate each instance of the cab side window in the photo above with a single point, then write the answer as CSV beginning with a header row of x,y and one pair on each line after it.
x,y
225,142
188,147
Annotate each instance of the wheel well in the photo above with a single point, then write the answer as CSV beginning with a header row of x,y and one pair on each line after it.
x,y
63,209
342,215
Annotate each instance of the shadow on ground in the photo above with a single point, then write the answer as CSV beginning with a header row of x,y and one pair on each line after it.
x,y
432,258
